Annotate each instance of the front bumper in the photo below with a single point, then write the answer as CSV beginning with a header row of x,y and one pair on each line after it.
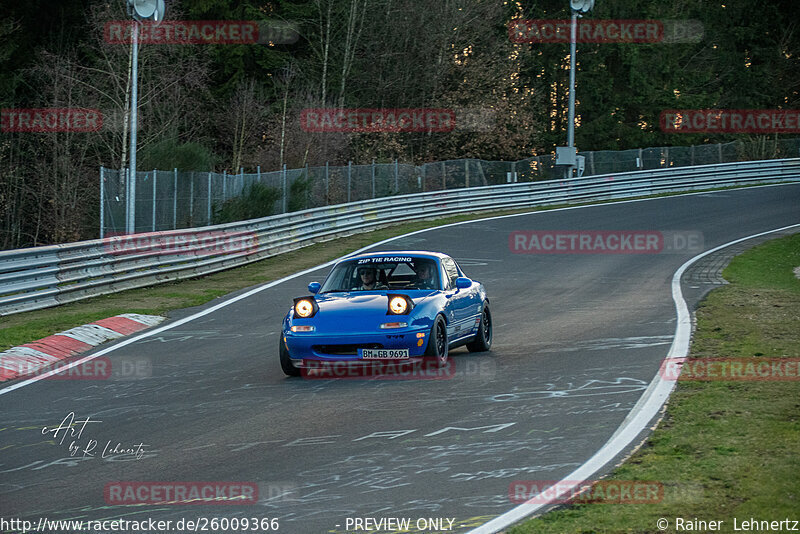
x,y
344,347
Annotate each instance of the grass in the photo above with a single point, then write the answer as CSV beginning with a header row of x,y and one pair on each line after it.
x,y
723,450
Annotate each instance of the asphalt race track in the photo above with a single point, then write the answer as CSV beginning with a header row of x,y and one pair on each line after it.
x,y
577,339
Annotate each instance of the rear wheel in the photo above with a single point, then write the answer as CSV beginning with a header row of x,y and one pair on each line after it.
x,y
483,339
437,343
286,362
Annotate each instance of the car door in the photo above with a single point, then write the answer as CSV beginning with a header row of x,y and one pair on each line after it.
x,y
460,302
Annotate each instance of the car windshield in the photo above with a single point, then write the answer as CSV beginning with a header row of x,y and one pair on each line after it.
x,y
383,273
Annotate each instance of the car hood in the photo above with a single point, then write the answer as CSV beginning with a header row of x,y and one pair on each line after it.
x,y
364,304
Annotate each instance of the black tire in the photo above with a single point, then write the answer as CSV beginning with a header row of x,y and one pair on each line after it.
x,y
437,342
286,362
483,339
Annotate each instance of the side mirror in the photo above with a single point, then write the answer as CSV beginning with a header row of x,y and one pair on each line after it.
x,y
314,287
463,283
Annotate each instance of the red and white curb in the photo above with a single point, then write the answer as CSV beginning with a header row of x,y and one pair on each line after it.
x,y
30,357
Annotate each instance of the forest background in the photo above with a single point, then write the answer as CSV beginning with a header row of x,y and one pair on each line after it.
x,y
225,107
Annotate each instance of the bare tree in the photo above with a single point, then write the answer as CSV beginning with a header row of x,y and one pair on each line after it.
x,y
65,185
59,182
355,24
242,120
288,75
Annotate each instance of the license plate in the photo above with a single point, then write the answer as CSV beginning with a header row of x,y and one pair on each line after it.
x,y
383,354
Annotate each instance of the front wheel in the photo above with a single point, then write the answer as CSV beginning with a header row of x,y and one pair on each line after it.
x,y
286,362
483,339
437,344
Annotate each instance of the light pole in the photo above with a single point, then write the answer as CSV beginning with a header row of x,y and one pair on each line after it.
x,y
140,10
572,51
130,211
566,156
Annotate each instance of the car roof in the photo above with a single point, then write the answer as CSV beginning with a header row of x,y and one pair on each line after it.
x,y
413,253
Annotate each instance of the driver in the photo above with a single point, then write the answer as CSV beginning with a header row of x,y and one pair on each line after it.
x,y
369,279
425,278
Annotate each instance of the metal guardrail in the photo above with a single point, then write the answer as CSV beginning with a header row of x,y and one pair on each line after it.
x,y
40,277
173,199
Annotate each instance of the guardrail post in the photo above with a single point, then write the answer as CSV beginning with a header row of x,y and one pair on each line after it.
x,y
691,160
191,201
208,208
258,171
514,171
285,208
444,176
155,173
373,177
326,183
591,161
102,201
466,173
719,148
396,177
175,199
349,173
225,185
241,180
128,218
308,186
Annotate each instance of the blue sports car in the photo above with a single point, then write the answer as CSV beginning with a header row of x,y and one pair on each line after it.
x,y
397,306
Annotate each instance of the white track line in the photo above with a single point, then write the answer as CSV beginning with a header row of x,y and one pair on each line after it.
x,y
637,420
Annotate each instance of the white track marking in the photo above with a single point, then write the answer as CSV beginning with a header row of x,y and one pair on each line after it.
x,y
639,417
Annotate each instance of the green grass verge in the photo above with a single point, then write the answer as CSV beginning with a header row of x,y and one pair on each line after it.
x,y
724,450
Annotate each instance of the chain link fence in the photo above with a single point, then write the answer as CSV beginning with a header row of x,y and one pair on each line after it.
x,y
168,200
